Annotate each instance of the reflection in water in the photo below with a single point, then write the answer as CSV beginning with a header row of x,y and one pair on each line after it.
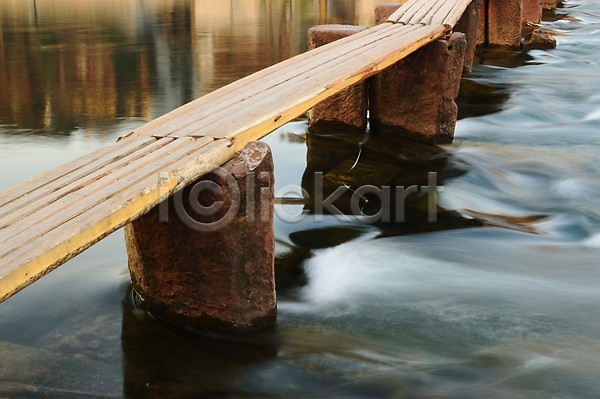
x,y
161,361
387,163
66,64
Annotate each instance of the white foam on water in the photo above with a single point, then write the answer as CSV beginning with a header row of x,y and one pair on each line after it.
x,y
389,271
570,187
593,116
541,362
593,242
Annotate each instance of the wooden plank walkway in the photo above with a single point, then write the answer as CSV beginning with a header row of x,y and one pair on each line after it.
x,y
51,218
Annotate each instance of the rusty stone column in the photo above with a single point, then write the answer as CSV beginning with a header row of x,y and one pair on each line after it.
x,y
532,11
505,19
468,24
383,12
482,24
205,270
346,110
415,96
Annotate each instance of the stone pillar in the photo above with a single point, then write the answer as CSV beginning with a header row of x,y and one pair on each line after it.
x,y
468,24
346,110
415,96
532,12
194,269
504,23
482,24
383,12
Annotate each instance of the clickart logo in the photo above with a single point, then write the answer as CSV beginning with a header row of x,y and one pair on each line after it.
x,y
213,202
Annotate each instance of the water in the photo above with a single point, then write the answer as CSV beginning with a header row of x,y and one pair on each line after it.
x,y
498,299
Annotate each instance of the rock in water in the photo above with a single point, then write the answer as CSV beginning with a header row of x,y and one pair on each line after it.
x,y
538,40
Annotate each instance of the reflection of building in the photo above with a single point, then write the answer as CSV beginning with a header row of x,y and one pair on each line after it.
x,y
75,63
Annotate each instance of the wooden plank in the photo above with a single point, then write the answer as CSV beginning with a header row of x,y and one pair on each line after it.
x,y
58,212
76,186
399,13
27,186
214,97
322,81
428,18
270,120
410,12
225,116
46,253
423,11
456,13
65,177
442,13
186,126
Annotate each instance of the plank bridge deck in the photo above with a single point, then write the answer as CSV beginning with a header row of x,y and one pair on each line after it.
x,y
49,219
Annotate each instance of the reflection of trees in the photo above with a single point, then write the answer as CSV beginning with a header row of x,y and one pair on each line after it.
x,y
71,64
73,68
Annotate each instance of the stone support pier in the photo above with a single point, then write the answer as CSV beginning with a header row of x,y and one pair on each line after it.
x,y
532,12
415,96
482,24
205,270
504,22
346,110
468,24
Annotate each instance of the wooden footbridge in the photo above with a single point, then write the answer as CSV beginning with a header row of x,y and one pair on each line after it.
x,y
51,218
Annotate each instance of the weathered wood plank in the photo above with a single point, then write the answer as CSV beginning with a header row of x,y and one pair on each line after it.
x,y
412,11
58,212
220,110
46,190
399,13
77,186
454,15
268,121
426,20
442,13
27,186
429,12
187,112
250,101
46,253
318,83
426,9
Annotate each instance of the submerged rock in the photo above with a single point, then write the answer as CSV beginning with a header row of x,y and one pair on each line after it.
x,y
36,372
538,40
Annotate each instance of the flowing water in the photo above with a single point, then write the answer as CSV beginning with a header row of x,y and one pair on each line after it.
x,y
497,299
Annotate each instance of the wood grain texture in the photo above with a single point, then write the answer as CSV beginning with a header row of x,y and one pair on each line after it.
x,y
254,126
185,114
427,8
400,12
7,196
220,113
454,15
40,195
345,60
426,19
